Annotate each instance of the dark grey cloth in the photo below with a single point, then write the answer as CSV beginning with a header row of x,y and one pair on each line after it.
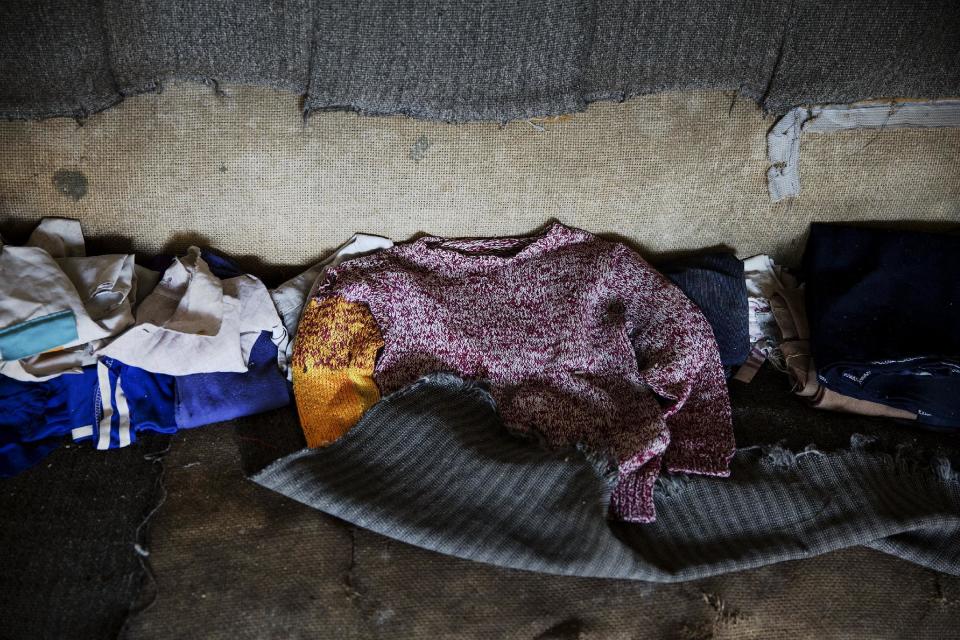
x,y
860,49
69,530
266,43
483,59
715,283
53,59
432,466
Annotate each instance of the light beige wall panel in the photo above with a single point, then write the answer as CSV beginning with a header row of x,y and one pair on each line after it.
x,y
243,172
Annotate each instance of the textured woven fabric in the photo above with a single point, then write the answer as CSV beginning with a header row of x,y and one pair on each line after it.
x,y
333,363
581,341
432,466
671,172
479,59
208,398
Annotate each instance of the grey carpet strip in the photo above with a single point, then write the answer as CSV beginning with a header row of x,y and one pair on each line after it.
x,y
433,466
476,59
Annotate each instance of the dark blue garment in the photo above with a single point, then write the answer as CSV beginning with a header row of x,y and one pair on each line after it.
x,y
35,416
715,283
206,398
884,313
220,265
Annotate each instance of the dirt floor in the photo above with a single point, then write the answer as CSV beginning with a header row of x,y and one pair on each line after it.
x,y
233,560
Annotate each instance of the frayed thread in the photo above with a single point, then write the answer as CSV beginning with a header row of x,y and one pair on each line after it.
x,y
779,456
141,548
906,458
672,484
944,470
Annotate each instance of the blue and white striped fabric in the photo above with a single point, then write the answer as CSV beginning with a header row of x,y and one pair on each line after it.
x,y
112,428
128,400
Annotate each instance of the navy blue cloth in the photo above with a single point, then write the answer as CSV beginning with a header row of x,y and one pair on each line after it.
x,y
715,283
35,416
884,313
220,266
206,398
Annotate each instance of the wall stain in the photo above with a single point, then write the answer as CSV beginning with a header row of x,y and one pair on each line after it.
x,y
419,149
70,183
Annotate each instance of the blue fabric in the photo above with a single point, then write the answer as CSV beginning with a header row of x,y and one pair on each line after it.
x,y
221,266
715,283
206,398
35,416
884,312
38,335
150,396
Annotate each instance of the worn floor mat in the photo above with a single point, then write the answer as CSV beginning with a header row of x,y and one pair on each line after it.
x,y
236,561
69,534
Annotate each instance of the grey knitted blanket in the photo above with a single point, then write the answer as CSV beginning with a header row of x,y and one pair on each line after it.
x,y
480,59
432,466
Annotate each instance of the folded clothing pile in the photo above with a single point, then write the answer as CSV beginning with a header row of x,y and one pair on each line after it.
x,y
57,305
582,343
884,313
872,330
201,347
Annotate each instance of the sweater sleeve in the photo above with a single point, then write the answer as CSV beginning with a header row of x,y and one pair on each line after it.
x,y
678,358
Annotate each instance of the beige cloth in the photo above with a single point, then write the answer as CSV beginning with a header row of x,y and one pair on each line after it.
x,y
193,322
52,273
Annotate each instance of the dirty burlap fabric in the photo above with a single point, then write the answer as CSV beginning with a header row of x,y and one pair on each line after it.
x,y
241,172
432,466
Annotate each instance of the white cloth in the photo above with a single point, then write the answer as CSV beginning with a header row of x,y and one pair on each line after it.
x,y
51,274
193,322
290,297
60,237
764,279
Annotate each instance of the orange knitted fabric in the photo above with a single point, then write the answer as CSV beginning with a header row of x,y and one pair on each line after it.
x,y
333,359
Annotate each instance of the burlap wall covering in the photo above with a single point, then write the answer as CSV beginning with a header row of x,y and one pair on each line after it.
x,y
243,172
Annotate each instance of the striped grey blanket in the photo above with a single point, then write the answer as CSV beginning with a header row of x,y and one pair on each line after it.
x,y
432,466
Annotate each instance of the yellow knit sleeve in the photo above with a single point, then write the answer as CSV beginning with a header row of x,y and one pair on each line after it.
x,y
333,359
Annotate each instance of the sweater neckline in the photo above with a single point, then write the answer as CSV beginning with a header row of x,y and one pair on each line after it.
x,y
500,249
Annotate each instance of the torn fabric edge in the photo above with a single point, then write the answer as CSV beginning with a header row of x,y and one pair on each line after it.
x,y
783,140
